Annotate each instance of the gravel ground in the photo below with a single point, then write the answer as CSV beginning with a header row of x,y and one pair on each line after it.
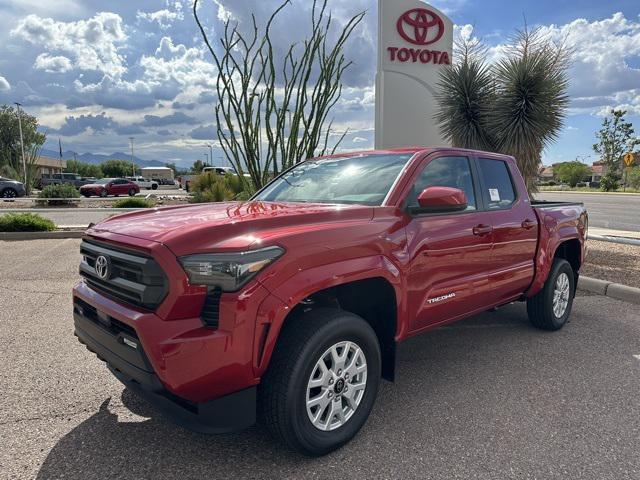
x,y
613,262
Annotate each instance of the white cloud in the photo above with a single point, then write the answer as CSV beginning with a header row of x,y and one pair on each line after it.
x,y
165,18
4,84
58,7
600,77
600,50
359,140
93,43
186,66
57,64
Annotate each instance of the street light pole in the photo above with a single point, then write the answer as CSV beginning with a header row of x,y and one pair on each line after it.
x,y
133,166
206,159
210,153
24,162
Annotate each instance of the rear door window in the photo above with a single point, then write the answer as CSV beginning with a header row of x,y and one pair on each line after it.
x,y
497,184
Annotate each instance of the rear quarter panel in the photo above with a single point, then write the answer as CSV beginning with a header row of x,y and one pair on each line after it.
x,y
557,225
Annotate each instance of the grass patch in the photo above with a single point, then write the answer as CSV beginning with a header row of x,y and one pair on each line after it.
x,y
25,222
134,202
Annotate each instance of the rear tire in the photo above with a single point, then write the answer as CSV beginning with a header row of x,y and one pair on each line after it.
x,y
103,193
550,308
132,192
287,394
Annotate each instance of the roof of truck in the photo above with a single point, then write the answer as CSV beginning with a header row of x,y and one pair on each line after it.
x,y
412,150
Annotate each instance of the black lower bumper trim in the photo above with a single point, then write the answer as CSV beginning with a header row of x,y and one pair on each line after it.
x,y
226,414
230,413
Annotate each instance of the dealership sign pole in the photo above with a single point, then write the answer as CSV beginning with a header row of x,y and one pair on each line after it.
x,y
415,42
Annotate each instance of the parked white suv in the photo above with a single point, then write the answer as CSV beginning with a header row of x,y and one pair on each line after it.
x,y
144,182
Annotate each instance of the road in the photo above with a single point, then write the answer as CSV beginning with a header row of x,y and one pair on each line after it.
x,y
617,212
488,398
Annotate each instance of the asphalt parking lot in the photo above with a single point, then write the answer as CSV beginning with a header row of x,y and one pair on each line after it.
x,y
488,398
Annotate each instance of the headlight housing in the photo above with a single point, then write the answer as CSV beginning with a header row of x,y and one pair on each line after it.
x,y
229,271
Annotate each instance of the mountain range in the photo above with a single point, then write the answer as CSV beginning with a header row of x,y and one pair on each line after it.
x,y
99,158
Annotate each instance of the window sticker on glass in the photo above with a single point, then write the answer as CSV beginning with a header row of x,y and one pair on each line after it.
x,y
494,194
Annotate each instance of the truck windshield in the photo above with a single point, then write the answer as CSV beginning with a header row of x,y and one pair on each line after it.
x,y
364,180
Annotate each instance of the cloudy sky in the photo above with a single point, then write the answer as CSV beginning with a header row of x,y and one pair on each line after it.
x,y
97,73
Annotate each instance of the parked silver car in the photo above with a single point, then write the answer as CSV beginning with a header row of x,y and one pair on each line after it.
x,y
11,188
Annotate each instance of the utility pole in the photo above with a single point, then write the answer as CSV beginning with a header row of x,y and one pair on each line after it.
x,y
24,162
133,165
210,153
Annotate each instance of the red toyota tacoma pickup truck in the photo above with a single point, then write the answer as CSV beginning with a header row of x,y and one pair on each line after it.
x,y
289,307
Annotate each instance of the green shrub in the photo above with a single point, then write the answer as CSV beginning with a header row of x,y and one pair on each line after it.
x,y
211,187
25,222
633,177
62,190
609,182
134,202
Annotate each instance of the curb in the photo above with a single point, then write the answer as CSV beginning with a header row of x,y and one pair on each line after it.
x,y
614,239
57,234
610,289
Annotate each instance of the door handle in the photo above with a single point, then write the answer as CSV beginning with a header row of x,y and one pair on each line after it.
x,y
482,229
528,224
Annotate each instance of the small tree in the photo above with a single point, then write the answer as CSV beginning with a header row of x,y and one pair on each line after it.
x,y
197,167
571,172
10,151
615,138
84,169
269,117
117,168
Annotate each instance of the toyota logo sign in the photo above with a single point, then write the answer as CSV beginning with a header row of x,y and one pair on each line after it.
x,y
103,267
420,26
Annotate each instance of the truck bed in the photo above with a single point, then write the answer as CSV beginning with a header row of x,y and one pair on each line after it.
x,y
548,204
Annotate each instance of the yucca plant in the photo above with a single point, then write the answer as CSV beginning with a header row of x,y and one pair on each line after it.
x,y
515,106
466,93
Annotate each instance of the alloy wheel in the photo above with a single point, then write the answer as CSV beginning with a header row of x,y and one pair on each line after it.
x,y
336,386
561,294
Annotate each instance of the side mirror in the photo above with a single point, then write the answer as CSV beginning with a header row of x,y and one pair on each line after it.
x,y
441,200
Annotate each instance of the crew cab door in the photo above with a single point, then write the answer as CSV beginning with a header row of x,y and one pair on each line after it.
x,y
450,254
515,228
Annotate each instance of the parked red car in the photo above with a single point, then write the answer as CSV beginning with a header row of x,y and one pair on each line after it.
x,y
110,186
291,305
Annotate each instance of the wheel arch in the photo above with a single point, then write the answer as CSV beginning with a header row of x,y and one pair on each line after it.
x,y
375,297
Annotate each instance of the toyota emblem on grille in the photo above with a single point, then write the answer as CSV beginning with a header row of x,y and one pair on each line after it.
x,y
103,267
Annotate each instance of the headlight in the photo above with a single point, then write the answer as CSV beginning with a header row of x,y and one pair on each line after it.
x,y
229,271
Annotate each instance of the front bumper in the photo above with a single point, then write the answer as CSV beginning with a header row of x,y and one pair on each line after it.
x,y
118,344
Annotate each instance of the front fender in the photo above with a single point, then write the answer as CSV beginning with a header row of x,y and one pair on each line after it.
x,y
274,309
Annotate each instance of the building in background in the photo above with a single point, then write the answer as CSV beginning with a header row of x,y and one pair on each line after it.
x,y
157,173
47,166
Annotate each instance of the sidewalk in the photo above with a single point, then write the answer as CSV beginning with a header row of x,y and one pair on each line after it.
x,y
605,232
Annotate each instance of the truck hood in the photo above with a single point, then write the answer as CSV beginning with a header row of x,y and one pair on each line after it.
x,y
209,227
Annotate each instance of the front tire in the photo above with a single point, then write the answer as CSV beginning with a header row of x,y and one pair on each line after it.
x,y
132,192
550,308
9,193
322,381
103,193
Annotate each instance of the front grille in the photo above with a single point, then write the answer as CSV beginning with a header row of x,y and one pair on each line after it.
x,y
211,309
132,277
